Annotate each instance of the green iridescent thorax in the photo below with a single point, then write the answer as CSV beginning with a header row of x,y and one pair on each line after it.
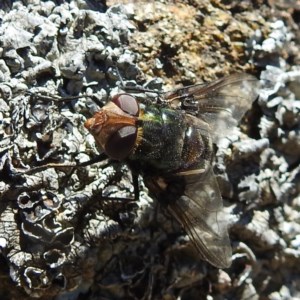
x,y
171,141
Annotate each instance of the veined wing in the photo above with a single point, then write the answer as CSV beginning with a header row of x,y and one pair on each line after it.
x,y
200,211
221,103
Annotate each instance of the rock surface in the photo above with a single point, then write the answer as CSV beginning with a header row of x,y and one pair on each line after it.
x,y
60,238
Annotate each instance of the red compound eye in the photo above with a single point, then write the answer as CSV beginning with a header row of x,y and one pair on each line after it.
x,y
127,103
121,143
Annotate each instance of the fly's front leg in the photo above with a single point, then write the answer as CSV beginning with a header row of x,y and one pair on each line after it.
x,y
57,99
120,209
64,99
34,97
100,158
136,192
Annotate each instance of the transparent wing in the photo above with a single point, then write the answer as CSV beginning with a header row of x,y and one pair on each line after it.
x,y
221,103
200,211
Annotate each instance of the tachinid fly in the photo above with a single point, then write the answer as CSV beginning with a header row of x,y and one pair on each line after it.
x,y
171,145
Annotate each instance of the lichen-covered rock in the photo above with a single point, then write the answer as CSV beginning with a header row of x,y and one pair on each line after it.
x,y
61,235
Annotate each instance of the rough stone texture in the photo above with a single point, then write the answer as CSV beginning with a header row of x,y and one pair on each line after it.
x,y
59,236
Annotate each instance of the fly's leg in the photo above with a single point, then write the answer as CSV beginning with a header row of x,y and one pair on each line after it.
x,y
138,89
135,182
64,99
136,192
120,209
72,165
100,158
48,98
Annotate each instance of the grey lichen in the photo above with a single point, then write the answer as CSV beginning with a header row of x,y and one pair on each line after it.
x,y
60,236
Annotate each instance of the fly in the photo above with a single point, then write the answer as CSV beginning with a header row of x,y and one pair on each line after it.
x,y
171,145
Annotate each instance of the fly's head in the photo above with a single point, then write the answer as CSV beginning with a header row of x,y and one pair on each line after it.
x,y
115,128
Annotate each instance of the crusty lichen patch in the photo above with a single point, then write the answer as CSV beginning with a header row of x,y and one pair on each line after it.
x,y
59,236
